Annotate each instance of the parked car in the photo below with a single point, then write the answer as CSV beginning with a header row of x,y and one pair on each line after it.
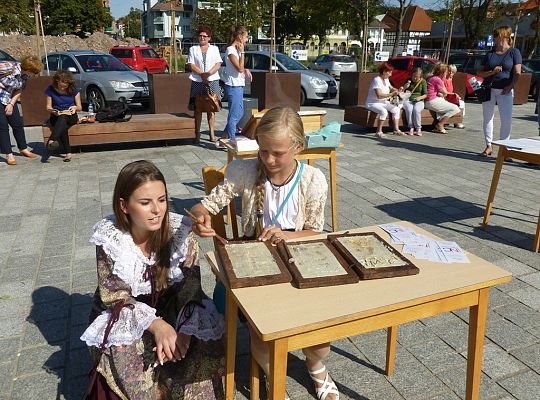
x,y
6,57
333,64
403,67
469,64
140,58
101,77
532,66
315,86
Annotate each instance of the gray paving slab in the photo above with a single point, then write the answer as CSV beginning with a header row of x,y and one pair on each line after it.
x,y
47,266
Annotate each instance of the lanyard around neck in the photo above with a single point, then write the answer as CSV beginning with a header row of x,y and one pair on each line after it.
x,y
274,220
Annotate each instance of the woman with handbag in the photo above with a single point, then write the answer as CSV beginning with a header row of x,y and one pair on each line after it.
x,y
153,332
235,79
435,100
205,61
413,106
501,67
452,96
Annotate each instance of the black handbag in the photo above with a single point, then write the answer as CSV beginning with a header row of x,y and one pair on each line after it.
x,y
483,94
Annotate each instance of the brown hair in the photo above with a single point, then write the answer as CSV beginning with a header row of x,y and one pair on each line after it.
x,y
279,121
440,69
129,179
64,77
31,64
235,33
504,32
385,66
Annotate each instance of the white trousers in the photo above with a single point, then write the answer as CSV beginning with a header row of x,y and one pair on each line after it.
x,y
442,107
413,113
505,102
383,109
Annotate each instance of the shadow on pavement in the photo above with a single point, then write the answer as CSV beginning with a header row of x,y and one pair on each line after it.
x,y
48,304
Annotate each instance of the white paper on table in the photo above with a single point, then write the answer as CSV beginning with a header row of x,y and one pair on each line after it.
x,y
423,252
399,234
452,252
522,144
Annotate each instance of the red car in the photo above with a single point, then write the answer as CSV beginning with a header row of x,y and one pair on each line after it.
x,y
403,67
141,58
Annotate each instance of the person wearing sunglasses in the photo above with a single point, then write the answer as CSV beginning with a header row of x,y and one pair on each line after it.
x,y
204,61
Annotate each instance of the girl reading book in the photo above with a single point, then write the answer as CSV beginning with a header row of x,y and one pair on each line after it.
x,y
63,102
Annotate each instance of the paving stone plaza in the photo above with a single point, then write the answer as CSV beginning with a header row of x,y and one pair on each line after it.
x,y
48,272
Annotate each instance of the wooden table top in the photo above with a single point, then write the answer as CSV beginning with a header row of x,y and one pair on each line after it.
x,y
282,310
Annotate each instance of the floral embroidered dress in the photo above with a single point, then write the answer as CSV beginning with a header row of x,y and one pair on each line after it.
x,y
127,363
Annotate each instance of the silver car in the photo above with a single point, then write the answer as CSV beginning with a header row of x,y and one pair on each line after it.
x,y
315,86
333,64
101,77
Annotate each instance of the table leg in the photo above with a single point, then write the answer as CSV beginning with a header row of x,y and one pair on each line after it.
x,y
278,369
333,189
391,338
231,322
230,157
536,245
477,330
310,162
254,379
494,182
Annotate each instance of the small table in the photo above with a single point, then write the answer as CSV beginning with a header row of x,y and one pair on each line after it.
x,y
528,155
310,155
289,319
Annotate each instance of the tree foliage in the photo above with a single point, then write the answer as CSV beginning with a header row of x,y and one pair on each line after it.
x,y
17,16
74,16
477,17
132,23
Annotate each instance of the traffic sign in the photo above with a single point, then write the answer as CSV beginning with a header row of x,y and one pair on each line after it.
x,y
299,55
481,44
489,41
382,56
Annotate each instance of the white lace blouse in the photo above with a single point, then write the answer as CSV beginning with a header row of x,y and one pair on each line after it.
x,y
129,265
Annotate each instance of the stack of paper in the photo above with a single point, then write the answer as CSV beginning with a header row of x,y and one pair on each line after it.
x,y
425,248
243,143
522,144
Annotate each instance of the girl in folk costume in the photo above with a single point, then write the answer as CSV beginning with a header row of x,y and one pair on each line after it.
x,y
166,342
281,199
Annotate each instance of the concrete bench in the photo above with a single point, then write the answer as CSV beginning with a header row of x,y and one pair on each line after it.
x,y
359,115
145,127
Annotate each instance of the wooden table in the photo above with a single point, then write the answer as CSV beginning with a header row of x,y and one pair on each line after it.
x,y
289,319
531,156
310,155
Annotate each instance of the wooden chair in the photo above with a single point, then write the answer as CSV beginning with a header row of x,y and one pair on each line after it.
x,y
211,178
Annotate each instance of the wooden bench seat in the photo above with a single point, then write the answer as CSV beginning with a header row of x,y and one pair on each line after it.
x,y
145,127
359,115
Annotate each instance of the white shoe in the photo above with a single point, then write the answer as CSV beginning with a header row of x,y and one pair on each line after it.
x,y
380,134
328,387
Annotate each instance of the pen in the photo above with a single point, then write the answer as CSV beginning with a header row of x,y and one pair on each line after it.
x,y
194,218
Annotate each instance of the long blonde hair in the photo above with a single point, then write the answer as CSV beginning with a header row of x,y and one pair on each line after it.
x,y
235,32
279,121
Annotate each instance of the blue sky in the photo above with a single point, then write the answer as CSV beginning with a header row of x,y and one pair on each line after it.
x,y
119,8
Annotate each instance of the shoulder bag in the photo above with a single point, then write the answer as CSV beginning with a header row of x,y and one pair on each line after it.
x,y
208,102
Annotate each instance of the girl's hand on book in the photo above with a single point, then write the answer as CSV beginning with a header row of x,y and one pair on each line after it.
x,y
272,233
72,109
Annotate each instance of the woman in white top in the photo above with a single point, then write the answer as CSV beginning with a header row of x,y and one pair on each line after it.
x,y
377,99
204,61
236,79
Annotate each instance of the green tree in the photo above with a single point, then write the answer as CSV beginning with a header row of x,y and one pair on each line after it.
x,y
17,16
477,17
211,19
132,23
74,16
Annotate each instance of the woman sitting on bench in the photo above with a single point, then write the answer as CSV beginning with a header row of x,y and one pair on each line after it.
x,y
379,92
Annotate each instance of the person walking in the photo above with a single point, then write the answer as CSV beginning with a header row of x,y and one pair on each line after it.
x,y
204,61
502,68
235,79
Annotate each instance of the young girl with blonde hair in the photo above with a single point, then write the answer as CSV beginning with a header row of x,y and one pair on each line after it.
x,y
281,199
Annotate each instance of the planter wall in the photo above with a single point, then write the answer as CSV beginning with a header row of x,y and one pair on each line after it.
x,y
276,89
169,93
353,87
34,102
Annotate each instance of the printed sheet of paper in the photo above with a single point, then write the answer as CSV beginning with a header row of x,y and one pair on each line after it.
x,y
371,252
452,252
251,260
315,260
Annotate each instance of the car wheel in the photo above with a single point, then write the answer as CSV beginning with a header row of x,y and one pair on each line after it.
x,y
93,94
302,97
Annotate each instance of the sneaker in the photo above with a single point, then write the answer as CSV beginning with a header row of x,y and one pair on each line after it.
x,y
418,132
410,131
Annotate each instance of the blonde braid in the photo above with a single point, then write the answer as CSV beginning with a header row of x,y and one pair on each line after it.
x,y
259,197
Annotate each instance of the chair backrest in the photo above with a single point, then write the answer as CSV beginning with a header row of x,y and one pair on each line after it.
x,y
211,178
